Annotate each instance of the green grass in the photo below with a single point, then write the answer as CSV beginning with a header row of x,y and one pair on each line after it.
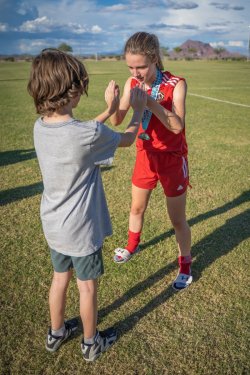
x,y
201,331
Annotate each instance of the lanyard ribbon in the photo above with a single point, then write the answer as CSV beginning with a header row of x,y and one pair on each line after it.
x,y
154,93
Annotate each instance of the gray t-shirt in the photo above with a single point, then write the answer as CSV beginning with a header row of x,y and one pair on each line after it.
x,y
74,212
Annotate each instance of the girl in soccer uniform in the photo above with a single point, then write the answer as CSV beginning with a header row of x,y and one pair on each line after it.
x,y
161,148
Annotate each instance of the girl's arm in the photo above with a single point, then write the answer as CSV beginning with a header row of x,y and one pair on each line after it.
x,y
112,98
173,120
138,99
118,116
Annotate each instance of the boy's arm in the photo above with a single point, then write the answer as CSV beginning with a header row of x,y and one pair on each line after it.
x,y
138,99
118,116
104,116
175,120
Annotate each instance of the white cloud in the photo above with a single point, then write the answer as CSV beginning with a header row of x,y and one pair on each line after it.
x,y
75,11
35,46
24,8
46,25
42,24
96,29
3,27
77,28
115,8
226,7
230,43
91,44
217,44
26,46
235,43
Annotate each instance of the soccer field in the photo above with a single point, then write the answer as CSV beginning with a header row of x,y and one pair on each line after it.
x,y
201,331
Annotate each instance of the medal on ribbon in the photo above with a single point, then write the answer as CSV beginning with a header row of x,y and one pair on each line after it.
x,y
147,113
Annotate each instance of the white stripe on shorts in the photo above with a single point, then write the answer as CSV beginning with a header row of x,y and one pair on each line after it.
x,y
184,167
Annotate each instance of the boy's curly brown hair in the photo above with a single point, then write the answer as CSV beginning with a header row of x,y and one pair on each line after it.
x,y
55,78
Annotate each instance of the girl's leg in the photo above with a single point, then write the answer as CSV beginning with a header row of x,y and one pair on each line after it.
x,y
88,306
57,298
140,198
176,207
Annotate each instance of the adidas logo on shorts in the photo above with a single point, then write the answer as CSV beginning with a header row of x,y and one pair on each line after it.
x,y
180,187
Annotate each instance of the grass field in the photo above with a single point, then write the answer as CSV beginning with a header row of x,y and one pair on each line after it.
x,y
201,331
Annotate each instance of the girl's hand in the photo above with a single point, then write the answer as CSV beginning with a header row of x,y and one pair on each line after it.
x,y
138,99
112,97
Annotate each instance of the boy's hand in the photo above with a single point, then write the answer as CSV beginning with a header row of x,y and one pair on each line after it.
x,y
112,97
138,99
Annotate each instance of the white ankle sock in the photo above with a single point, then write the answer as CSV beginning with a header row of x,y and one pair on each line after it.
x,y
91,340
58,332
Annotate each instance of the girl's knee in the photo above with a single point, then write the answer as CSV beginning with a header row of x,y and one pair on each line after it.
x,y
179,224
137,210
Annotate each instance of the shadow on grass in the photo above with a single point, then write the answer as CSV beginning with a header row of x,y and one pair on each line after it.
x,y
13,79
106,168
16,194
16,156
219,243
22,192
244,197
73,322
223,240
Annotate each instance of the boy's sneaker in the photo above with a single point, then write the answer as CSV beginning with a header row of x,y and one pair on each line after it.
x,y
182,281
103,340
54,342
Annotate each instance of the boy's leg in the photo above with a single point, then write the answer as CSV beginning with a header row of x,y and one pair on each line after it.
x,y
59,331
94,343
57,298
88,269
88,306
176,207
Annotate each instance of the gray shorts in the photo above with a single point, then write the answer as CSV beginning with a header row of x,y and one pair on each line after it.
x,y
87,267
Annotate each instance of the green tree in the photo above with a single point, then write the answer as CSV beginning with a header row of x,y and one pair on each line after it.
x,y
219,50
177,49
164,51
65,47
192,50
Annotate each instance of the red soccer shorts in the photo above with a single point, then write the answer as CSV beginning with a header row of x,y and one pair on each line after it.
x,y
169,169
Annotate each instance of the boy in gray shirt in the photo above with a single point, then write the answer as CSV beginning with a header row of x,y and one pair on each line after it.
x,y
74,211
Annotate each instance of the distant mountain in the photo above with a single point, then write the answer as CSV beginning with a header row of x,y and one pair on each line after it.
x,y
198,50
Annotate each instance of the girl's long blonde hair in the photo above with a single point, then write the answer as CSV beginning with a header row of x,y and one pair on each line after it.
x,y
142,43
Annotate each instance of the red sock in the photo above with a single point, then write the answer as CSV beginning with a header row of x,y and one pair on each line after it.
x,y
133,241
185,263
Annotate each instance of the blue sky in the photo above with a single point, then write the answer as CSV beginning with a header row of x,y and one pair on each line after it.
x,y
27,26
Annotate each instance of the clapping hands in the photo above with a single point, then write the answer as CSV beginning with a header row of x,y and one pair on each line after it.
x,y
138,99
112,97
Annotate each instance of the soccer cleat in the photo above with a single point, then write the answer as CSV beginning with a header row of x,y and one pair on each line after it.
x,y
182,281
123,255
103,341
54,342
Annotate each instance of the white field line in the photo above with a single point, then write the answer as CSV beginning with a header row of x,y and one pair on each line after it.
x,y
221,88
219,100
